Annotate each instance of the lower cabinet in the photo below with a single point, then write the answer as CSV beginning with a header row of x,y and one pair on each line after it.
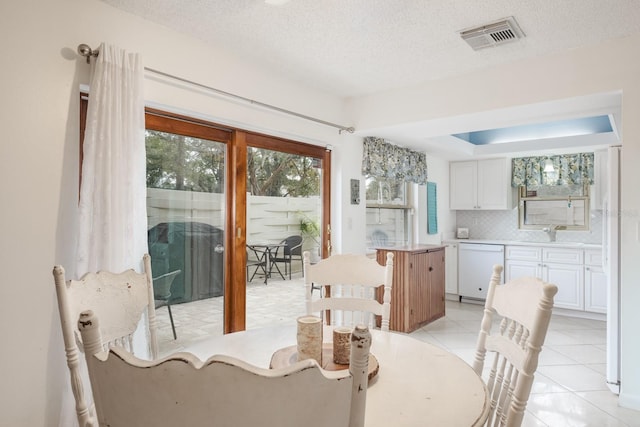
x,y
417,295
570,282
577,273
595,283
451,267
515,268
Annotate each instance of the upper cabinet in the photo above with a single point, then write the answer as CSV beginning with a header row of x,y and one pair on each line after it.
x,y
480,185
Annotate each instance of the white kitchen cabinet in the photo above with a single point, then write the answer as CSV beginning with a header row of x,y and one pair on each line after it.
x,y
451,268
570,282
515,268
568,278
522,261
480,185
463,188
577,273
562,255
523,253
595,282
564,268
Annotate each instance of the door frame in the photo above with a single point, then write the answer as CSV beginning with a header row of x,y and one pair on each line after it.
x,y
237,142
236,320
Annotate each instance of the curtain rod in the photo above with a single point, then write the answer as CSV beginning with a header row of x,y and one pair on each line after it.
x,y
87,52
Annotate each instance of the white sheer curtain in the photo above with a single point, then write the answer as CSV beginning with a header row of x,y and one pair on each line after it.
x,y
112,231
113,216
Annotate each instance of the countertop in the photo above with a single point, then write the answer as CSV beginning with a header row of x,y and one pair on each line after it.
x,y
570,245
411,248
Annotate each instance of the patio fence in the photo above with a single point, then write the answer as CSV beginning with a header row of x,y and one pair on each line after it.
x,y
269,219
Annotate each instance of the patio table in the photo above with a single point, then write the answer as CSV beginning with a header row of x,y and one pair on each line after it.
x,y
265,253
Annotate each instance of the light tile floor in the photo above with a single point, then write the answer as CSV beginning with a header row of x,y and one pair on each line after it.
x,y
569,389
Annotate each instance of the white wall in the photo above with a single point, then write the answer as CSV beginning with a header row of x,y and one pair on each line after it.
x,y
438,172
348,221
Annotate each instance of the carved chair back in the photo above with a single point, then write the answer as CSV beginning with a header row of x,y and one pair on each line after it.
x,y
223,390
522,310
351,285
120,300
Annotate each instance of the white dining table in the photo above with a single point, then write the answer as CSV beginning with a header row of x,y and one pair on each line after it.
x,y
418,384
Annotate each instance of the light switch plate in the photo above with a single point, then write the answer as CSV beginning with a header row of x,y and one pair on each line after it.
x,y
355,191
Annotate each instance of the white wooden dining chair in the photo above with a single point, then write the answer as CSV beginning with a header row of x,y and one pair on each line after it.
x,y
350,284
180,390
523,309
120,300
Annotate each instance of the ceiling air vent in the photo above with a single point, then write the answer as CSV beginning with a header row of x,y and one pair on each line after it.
x,y
490,35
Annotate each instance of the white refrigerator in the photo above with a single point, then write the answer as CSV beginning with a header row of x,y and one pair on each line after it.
x,y
611,264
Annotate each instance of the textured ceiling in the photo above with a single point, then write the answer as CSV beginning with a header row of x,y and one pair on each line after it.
x,y
357,47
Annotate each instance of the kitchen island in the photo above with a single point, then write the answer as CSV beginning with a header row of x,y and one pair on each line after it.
x,y
417,295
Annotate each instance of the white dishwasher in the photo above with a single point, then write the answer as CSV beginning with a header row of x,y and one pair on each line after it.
x,y
475,266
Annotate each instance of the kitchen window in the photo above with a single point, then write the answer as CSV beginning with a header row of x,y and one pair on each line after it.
x,y
387,212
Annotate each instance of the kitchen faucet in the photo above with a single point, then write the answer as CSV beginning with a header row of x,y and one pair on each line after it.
x,y
551,231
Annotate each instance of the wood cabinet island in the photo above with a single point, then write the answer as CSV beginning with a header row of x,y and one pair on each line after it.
x,y
417,295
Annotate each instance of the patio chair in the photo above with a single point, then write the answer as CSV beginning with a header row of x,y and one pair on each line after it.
x,y
162,294
222,391
350,283
291,250
524,309
120,300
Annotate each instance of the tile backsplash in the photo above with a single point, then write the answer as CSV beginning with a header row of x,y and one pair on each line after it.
x,y
503,225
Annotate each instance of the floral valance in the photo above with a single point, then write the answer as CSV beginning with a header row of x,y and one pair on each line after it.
x,y
383,160
568,169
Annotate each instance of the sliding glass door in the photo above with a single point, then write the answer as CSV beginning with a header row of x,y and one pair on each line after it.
x,y
206,185
284,216
187,211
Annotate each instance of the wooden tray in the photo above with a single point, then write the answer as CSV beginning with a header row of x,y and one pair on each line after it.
x,y
289,355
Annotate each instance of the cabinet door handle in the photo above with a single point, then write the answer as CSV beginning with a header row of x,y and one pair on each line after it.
x,y
430,268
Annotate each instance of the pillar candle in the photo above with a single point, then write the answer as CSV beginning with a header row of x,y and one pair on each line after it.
x,y
341,345
310,338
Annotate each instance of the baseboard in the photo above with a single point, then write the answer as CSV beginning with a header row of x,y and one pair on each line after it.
x,y
578,313
451,297
631,401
